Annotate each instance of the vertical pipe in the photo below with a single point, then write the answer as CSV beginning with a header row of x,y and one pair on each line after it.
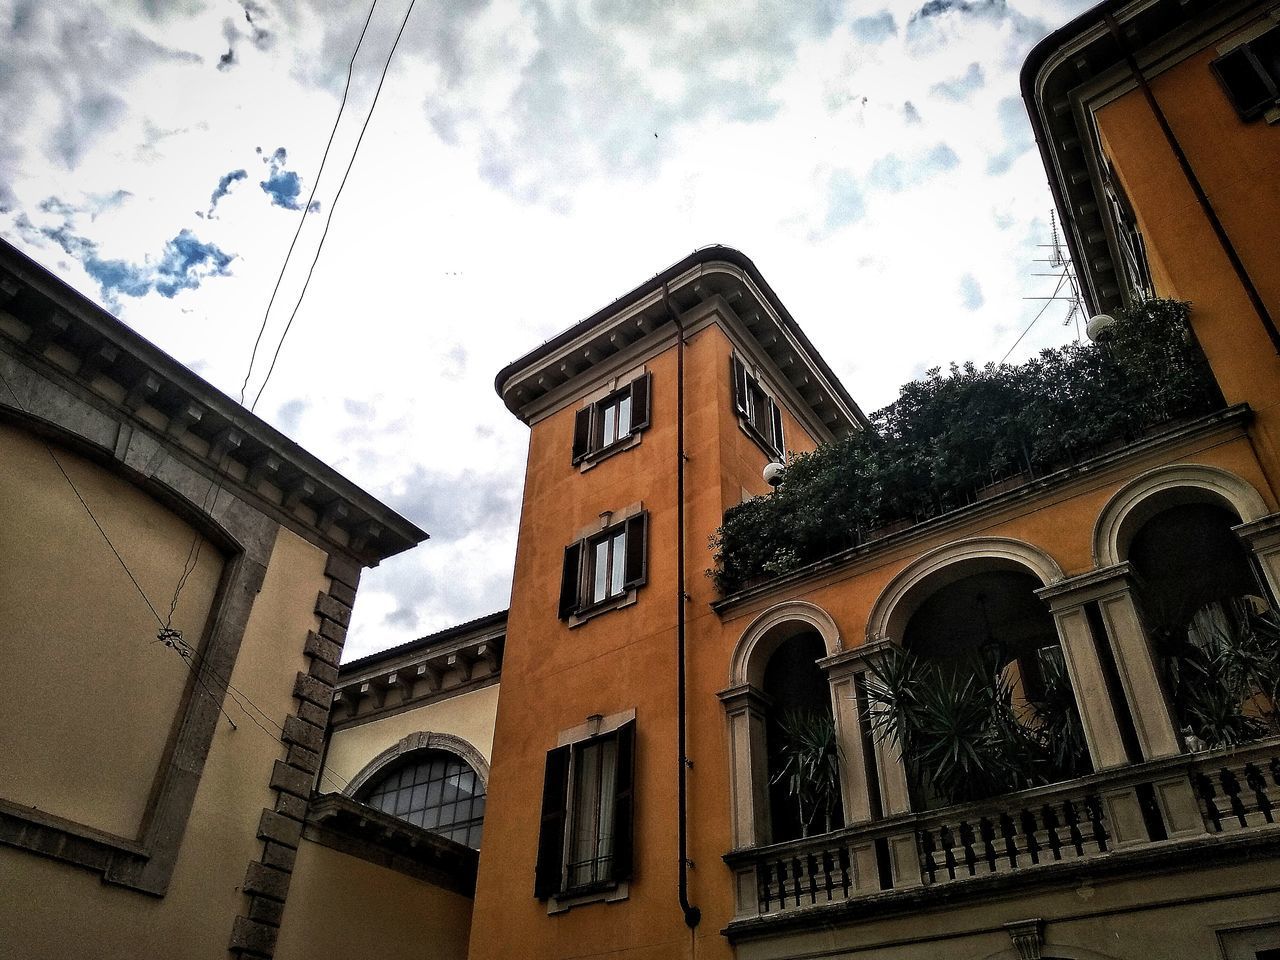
x,y
692,915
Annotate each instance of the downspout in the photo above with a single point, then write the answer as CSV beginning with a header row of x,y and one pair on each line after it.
x,y
1242,274
692,915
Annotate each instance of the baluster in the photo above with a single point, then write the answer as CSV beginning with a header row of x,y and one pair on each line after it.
x,y
1204,786
1258,784
1073,826
845,880
1029,834
762,886
784,874
1049,816
988,834
813,879
796,870
966,840
948,849
1093,807
1231,787
1275,771
927,845
1010,834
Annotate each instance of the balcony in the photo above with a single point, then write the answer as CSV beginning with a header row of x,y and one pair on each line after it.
x,y
1202,807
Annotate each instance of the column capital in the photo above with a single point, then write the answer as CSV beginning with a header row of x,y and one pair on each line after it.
x,y
1261,535
1091,585
744,698
855,660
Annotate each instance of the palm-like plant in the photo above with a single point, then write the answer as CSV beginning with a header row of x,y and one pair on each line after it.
x,y
806,759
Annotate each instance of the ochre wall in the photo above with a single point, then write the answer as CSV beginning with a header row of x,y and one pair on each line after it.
x,y
469,716
1238,165
343,906
90,696
75,909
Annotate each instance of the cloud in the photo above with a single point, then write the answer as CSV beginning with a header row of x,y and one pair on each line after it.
x,y
184,262
875,29
257,35
281,185
895,174
1016,135
936,8
910,113
845,203
971,292
959,89
223,188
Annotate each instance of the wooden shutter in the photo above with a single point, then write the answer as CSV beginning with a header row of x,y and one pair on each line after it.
x,y
548,875
740,390
636,570
624,803
582,433
570,580
775,420
640,391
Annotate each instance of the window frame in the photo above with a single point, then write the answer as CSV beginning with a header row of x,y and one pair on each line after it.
x,y
577,585
759,413
419,758
560,815
590,421
1245,55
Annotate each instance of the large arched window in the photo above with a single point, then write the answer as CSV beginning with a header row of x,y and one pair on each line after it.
x,y
433,789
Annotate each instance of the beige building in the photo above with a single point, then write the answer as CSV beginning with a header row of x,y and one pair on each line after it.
x,y
176,579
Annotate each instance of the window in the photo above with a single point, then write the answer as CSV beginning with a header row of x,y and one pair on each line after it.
x,y
434,790
1133,250
602,425
757,411
1250,75
605,567
585,838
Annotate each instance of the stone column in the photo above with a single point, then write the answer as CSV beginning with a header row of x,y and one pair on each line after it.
x,y
845,672
1262,539
746,709
1126,637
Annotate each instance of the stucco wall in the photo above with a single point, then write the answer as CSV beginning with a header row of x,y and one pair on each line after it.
x,y
343,906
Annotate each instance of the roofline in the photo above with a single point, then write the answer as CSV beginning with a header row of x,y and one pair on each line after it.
x,y
701,256
45,283
479,624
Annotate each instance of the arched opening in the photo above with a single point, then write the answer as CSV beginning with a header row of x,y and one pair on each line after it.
x,y
803,765
1212,626
977,694
433,789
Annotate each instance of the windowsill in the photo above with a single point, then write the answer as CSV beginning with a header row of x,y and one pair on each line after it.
x,y
605,893
746,426
617,603
604,453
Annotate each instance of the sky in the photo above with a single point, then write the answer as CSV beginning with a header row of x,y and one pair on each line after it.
x,y
528,162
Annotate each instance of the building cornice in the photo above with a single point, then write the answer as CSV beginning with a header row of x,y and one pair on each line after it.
x,y
90,351
639,323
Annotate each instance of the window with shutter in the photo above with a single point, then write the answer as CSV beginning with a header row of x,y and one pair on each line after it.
x,y
602,570
605,426
759,413
1250,75
585,839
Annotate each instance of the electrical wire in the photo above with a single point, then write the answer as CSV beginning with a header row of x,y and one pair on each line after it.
x,y
1061,280
333,205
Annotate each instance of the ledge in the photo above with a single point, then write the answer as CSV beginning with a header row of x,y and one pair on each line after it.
x,y
353,828
1237,416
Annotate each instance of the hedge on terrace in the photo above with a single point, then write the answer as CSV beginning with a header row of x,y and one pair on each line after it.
x,y
948,436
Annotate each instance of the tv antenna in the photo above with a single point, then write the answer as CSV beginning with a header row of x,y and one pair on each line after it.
x,y
1067,289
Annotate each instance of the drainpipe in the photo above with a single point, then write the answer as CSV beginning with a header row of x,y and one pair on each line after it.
x,y
1219,231
692,915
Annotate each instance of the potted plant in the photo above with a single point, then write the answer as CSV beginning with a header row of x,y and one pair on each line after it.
x,y
806,760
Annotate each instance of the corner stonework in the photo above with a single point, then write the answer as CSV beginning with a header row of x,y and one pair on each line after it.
x,y
266,883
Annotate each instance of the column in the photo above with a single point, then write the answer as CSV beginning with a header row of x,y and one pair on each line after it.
x,y
1262,539
746,709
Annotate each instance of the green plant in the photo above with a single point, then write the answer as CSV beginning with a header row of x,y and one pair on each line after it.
x,y
806,759
947,436
958,730
1223,666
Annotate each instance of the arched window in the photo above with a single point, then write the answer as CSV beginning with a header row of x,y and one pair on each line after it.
x,y
433,789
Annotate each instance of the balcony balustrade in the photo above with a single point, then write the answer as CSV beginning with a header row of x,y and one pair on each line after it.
x,y
1185,805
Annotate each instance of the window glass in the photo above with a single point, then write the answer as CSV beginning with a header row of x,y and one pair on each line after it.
x,y
595,774
624,416
619,551
598,588
438,791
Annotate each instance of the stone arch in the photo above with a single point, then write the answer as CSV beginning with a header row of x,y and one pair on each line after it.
x,y
899,599
1145,495
423,740
770,629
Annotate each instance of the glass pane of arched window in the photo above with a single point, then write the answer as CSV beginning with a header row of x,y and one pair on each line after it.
x,y
434,790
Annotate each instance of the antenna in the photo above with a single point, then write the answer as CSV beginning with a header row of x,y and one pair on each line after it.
x,y
1059,261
